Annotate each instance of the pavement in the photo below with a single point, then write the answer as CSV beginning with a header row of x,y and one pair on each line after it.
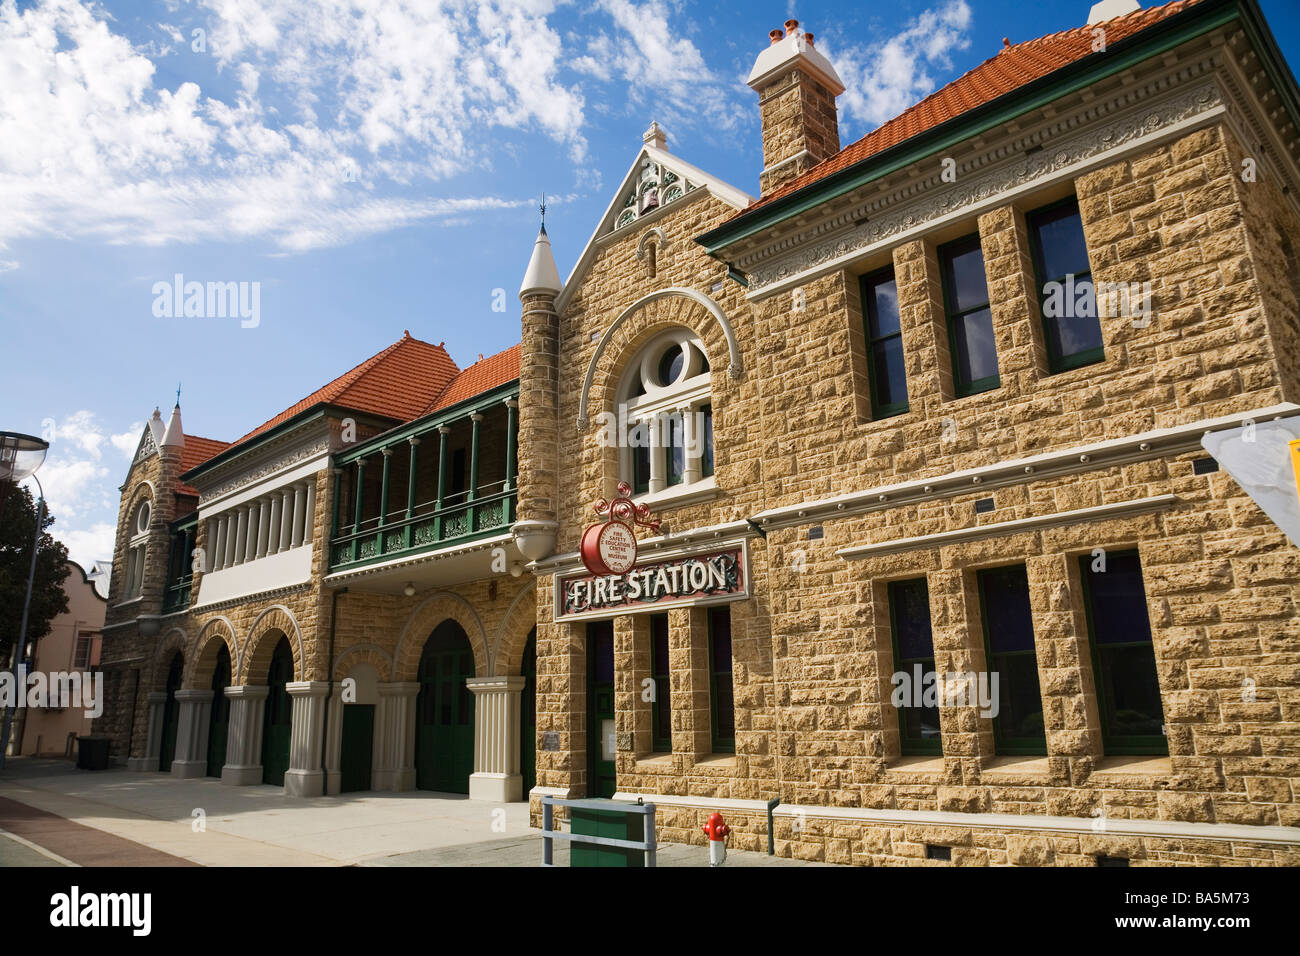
x,y
52,814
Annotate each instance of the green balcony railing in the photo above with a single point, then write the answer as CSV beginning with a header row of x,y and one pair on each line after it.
x,y
459,519
176,596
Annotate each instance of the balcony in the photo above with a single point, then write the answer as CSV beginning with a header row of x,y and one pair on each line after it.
x,y
176,596
439,482
180,571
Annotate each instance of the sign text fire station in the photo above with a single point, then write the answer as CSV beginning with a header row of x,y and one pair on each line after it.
x,y
706,578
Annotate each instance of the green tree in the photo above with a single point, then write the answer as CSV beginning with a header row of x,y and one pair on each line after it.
x,y
17,527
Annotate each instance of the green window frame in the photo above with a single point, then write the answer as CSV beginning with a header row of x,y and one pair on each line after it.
x,y
706,449
906,598
722,707
1040,221
961,314
884,334
661,708
1124,659
1008,626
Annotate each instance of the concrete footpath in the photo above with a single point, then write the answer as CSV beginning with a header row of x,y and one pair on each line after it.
x,y
52,814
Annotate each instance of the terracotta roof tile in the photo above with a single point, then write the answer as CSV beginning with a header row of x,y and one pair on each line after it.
x,y
397,383
1012,68
483,376
196,451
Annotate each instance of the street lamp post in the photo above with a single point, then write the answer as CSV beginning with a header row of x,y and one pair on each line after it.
x,y
20,457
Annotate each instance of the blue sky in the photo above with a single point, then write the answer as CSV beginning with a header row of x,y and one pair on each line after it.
x,y
374,166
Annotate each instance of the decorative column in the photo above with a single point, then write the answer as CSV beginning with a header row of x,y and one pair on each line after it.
x,y
192,733
287,500
690,460
244,743
496,739
241,540
153,738
383,498
356,513
410,490
305,778
273,526
254,521
217,541
334,743
309,515
512,417
263,526
442,478
658,480
232,529
477,419
395,718
299,513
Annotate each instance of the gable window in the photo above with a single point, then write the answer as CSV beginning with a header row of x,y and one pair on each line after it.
x,y
909,619
884,344
661,709
1009,641
969,317
1071,327
1123,656
666,404
137,550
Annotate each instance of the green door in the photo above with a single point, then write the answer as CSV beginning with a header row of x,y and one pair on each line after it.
x,y
600,709
357,747
219,716
278,720
171,714
528,716
444,730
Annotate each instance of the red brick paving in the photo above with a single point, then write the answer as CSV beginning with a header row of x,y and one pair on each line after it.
x,y
77,842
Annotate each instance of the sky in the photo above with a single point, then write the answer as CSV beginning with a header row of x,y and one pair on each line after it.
x,y
362,167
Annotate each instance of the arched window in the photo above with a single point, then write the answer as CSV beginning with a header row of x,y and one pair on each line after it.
x,y
137,547
666,402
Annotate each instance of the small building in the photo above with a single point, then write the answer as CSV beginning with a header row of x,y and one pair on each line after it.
x,y
72,646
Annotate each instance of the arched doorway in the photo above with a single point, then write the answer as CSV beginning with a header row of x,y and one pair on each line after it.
x,y
444,728
528,715
219,716
171,713
278,719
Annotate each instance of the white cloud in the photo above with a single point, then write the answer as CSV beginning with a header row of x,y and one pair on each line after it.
x,y
126,442
8,265
885,79
87,545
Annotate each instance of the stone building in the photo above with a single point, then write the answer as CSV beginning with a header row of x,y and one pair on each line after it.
x,y
942,571
952,382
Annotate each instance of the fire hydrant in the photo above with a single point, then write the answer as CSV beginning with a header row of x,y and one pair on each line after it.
x,y
717,830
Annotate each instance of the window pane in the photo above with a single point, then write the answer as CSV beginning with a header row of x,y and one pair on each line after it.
x,y
977,355
706,452
676,450
882,308
909,601
1059,233
890,377
1006,609
1117,600
670,365
1020,710
724,717
640,469
661,711
964,266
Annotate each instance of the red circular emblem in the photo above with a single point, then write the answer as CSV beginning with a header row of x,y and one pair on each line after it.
x,y
609,548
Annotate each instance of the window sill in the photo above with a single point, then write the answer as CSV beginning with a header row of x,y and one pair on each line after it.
x,y
135,600
653,761
918,766
681,495
1017,768
720,762
1136,766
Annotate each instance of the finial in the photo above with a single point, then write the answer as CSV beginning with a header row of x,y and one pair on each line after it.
x,y
543,208
178,394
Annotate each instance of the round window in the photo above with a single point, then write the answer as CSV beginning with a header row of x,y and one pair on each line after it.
x,y
670,365
142,518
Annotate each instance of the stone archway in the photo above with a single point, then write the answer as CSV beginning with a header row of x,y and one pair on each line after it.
x,y
512,633
432,611
259,646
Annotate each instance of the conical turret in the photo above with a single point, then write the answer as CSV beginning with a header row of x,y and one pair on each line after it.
x,y
542,276
174,437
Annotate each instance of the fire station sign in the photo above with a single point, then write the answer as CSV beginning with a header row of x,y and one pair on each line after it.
x,y
710,577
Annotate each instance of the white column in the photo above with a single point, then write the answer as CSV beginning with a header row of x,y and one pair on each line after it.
x,y
691,463
248,533
273,525
153,736
496,774
305,778
232,533
658,479
309,513
263,525
299,512
244,743
192,733
395,717
286,519
216,542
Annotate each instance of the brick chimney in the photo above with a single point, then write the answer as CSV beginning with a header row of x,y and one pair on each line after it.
x,y
796,88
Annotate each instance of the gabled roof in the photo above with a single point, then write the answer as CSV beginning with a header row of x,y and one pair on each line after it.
x,y
1013,67
688,178
483,376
